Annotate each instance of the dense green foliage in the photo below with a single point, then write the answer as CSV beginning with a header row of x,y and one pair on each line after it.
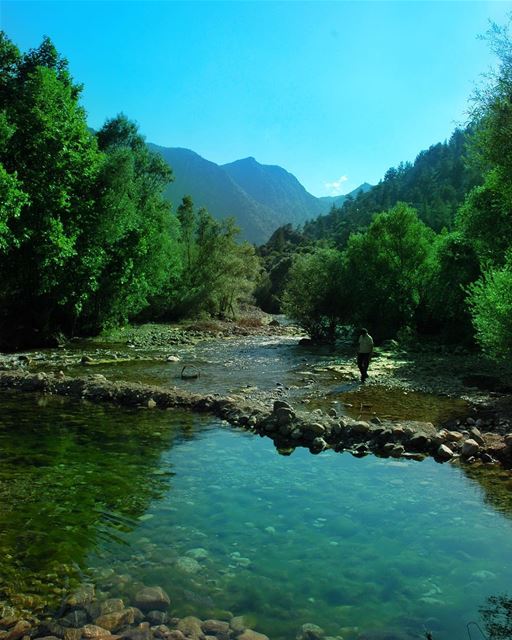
x,y
440,262
87,239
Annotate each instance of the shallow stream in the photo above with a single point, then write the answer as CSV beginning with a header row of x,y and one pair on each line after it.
x,y
223,523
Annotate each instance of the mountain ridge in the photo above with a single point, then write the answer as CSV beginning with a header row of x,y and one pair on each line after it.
x,y
260,197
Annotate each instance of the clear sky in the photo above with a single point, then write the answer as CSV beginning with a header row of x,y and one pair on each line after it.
x,y
335,92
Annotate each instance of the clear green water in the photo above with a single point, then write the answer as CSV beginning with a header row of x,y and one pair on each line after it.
x,y
121,497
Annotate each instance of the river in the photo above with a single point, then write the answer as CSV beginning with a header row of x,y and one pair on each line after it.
x,y
226,525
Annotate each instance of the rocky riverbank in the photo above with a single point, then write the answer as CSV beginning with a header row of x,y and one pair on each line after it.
x,y
83,617
484,440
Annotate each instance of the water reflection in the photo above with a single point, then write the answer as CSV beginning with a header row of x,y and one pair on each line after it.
x,y
72,480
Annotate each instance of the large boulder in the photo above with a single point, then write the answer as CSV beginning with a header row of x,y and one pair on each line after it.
x,y
150,598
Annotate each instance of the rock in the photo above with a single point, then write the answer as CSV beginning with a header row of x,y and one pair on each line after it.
x,y
188,565
318,445
86,360
93,631
419,457
332,413
191,627
310,631
470,421
274,323
84,595
249,634
419,442
284,416
470,448
398,432
388,447
20,629
157,618
361,427
172,359
115,620
476,436
150,598
151,403
175,634
198,553
285,429
296,434
314,428
141,632
397,451
453,436
238,624
138,616
75,619
281,404
216,628
444,452
487,458
376,420
508,439
111,605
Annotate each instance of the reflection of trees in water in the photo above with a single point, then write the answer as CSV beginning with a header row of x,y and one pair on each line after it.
x,y
72,478
496,485
496,616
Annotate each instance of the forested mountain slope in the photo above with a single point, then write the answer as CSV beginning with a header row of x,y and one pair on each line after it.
x,y
435,185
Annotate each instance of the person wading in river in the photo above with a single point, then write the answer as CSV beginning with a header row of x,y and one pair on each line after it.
x,y
364,352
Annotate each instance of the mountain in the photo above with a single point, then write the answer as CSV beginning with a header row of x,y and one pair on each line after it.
x,y
276,188
211,187
260,197
337,201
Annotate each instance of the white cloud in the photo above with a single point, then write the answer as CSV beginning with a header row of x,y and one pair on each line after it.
x,y
335,186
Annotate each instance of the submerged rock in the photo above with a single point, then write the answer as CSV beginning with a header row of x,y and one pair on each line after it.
x,y
150,598
249,634
188,565
191,627
310,631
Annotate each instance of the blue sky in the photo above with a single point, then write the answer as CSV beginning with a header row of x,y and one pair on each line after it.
x,y
335,92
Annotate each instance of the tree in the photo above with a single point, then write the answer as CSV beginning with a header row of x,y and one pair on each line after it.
x,y
450,268
386,264
314,291
131,241
490,301
52,157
